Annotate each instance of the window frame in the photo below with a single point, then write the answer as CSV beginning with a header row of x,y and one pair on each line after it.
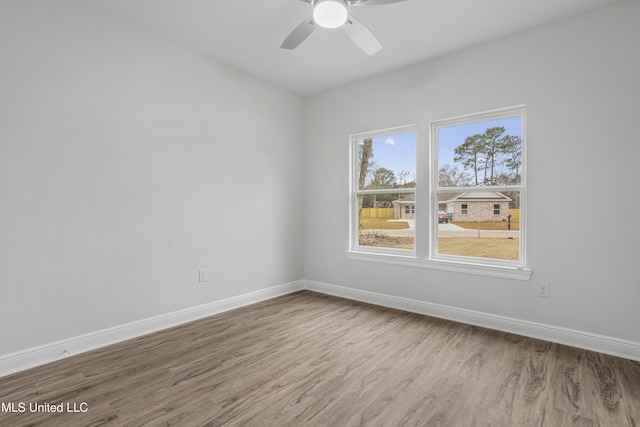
x,y
435,189
426,205
355,192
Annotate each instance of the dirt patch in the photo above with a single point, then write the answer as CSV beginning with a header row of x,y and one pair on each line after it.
x,y
396,242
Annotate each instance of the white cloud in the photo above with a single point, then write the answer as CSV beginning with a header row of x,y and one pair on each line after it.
x,y
390,141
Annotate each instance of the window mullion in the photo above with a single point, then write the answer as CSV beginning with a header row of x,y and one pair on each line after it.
x,y
386,191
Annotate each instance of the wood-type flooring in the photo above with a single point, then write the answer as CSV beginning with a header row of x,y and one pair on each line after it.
x,y
308,359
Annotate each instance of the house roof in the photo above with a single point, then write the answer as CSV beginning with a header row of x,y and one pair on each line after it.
x,y
472,196
466,196
448,197
406,198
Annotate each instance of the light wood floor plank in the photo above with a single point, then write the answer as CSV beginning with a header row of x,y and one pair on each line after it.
x,y
308,359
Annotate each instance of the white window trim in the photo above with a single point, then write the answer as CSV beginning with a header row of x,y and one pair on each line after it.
x,y
519,110
355,192
454,265
420,256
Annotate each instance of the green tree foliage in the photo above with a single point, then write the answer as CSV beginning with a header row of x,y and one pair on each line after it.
x,y
493,145
468,154
383,178
512,147
489,151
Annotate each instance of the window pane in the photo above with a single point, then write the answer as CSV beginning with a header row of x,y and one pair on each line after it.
x,y
387,162
386,220
478,231
481,153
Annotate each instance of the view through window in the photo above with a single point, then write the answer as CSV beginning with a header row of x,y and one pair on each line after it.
x,y
470,216
479,186
385,181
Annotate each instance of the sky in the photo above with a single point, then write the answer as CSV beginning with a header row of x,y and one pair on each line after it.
x,y
398,152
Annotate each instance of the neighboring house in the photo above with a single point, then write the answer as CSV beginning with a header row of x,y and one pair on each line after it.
x,y
492,206
405,207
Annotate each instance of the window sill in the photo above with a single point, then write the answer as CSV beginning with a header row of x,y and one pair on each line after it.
x,y
409,260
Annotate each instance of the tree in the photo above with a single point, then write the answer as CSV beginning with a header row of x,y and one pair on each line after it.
x,y
451,176
365,152
402,176
493,145
468,153
383,178
512,148
486,151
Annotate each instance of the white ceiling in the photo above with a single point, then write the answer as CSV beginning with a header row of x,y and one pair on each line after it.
x,y
247,33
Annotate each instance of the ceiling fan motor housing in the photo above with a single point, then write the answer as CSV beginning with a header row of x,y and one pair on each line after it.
x,y
330,13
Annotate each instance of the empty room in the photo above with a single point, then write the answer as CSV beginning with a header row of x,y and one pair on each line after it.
x,y
319,213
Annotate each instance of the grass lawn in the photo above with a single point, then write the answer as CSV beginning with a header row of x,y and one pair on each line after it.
x,y
382,223
496,248
487,225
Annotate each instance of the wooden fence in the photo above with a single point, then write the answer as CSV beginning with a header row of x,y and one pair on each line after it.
x,y
376,213
515,214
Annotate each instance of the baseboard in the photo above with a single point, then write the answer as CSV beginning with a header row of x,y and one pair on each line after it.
x,y
47,353
22,360
570,337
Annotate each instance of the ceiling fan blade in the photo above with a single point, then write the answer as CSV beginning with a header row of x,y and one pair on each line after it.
x,y
299,34
372,2
362,36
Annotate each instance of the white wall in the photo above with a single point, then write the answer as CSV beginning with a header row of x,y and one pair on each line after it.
x,y
124,159
127,162
579,80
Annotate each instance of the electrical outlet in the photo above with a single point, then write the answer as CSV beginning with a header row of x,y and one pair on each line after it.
x,y
202,275
341,263
543,289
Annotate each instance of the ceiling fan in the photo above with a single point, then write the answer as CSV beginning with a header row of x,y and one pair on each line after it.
x,y
334,14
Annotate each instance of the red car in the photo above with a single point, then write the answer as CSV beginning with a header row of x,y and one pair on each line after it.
x,y
443,217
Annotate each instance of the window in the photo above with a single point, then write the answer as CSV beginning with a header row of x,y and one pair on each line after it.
x,y
475,167
478,163
384,184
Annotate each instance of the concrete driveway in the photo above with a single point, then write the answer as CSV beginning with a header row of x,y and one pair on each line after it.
x,y
445,230
451,230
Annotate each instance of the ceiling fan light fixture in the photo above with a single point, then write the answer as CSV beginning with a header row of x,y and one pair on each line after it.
x,y
330,13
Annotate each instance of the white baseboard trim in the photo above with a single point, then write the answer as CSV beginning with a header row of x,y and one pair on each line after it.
x,y
584,340
25,359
